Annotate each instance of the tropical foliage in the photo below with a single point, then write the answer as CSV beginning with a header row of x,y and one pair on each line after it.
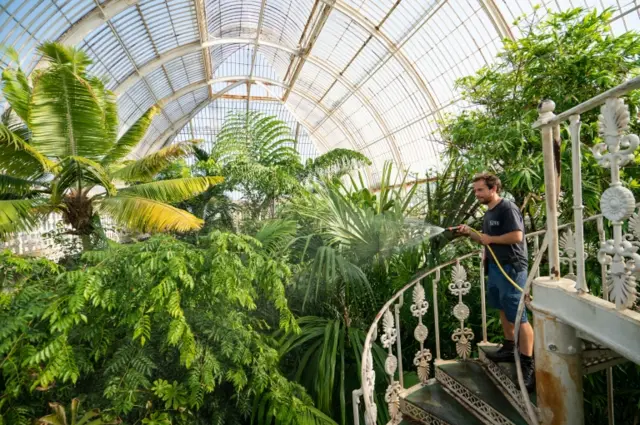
x,y
61,153
160,329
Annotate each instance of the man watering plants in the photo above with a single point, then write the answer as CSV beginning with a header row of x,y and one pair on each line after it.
x,y
503,231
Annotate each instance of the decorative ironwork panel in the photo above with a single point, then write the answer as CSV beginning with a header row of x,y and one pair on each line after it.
x,y
423,356
568,252
619,254
462,336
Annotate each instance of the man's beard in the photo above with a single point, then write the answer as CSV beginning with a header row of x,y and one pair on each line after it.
x,y
484,201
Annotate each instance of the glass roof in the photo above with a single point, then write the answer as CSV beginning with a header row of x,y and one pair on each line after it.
x,y
370,75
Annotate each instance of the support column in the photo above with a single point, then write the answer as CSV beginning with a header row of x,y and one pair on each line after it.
x,y
558,359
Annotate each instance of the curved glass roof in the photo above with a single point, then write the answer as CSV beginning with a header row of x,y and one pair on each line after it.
x,y
370,75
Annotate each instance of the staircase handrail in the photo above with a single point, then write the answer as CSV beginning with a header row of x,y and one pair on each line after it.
x,y
367,388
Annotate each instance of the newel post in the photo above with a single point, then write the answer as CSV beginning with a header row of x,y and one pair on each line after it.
x,y
550,144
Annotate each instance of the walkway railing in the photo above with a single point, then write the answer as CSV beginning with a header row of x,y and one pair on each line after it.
x,y
463,336
617,258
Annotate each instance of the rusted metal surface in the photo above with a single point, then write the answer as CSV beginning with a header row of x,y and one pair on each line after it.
x,y
558,373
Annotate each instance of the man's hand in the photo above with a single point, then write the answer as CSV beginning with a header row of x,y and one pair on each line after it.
x,y
464,230
486,239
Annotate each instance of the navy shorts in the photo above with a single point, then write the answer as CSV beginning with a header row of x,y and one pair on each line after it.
x,y
502,295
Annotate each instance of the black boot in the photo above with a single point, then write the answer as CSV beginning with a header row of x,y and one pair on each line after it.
x,y
504,354
528,372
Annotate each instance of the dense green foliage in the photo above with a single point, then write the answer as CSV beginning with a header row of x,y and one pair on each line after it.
x,y
160,327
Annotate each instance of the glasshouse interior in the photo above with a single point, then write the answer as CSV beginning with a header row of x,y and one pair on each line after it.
x,y
318,212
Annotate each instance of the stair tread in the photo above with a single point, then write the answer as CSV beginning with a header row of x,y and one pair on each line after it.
x,y
472,376
432,398
509,369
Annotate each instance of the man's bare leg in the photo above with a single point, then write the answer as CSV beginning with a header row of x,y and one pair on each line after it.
x,y
525,334
526,339
507,327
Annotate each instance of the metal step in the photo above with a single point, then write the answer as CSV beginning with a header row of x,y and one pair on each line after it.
x,y
596,357
504,375
470,385
432,405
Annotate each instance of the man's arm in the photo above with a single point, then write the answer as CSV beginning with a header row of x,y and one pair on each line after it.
x,y
506,239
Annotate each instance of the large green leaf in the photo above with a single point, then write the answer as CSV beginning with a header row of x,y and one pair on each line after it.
x,y
130,138
19,215
147,215
66,117
19,158
172,191
144,169
77,172
17,91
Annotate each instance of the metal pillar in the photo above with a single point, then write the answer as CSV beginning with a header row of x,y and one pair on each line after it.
x,y
558,357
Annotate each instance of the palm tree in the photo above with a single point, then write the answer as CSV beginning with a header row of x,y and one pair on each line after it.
x,y
259,159
60,152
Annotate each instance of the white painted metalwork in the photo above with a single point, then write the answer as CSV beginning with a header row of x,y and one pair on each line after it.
x,y
462,336
617,202
201,16
423,356
576,169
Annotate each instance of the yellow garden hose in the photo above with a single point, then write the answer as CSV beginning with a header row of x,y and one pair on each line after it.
x,y
493,254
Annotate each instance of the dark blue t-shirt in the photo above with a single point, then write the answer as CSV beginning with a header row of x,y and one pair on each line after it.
x,y
504,218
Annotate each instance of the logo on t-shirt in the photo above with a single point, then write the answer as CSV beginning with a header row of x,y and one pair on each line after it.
x,y
494,223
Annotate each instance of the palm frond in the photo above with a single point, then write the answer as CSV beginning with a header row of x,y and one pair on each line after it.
x,y
147,215
336,163
60,54
144,169
276,235
19,215
19,158
130,138
10,185
17,91
171,191
108,103
66,117
255,137
77,170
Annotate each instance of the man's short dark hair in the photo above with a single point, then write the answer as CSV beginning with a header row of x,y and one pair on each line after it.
x,y
491,180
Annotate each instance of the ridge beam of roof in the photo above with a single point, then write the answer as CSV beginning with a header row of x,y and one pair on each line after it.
x,y
308,39
201,16
255,51
497,19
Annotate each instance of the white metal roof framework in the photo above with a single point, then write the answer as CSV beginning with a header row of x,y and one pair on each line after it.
x,y
370,75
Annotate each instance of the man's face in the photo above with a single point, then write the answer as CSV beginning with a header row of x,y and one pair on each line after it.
x,y
484,195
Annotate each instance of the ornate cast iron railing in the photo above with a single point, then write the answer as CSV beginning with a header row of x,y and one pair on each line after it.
x,y
617,257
